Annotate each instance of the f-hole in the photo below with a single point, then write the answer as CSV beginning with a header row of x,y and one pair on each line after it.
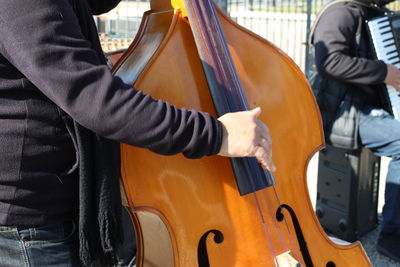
x,y
202,247
299,233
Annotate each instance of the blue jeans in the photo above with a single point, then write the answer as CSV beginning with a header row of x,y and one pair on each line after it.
x,y
56,245
380,132
51,245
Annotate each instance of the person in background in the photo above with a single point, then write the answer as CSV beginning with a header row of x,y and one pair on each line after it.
x,y
348,89
62,116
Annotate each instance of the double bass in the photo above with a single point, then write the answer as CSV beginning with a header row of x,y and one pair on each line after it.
x,y
216,211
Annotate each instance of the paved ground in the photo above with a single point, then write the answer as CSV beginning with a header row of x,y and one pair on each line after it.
x,y
368,240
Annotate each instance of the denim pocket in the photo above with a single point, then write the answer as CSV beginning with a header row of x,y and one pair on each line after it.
x,y
52,245
55,233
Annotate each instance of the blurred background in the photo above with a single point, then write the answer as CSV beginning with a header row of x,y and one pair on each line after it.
x,y
285,23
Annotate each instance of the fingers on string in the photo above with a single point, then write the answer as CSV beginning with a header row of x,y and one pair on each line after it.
x,y
263,133
265,159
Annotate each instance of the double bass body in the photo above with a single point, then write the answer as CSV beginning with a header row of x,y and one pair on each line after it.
x,y
189,212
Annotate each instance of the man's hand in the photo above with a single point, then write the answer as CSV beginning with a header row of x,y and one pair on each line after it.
x,y
245,136
393,77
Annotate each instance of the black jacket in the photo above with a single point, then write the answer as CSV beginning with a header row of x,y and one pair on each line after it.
x,y
48,67
348,76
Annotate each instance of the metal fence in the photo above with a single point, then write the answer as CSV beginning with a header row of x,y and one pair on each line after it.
x,y
285,23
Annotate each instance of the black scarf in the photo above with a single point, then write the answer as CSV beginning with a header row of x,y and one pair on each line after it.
x,y
99,172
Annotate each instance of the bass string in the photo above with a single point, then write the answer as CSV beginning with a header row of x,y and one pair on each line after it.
x,y
197,17
269,205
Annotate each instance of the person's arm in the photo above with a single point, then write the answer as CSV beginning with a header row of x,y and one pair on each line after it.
x,y
245,136
335,41
393,77
44,42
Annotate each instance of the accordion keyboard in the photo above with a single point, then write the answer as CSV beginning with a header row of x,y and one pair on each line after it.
x,y
385,34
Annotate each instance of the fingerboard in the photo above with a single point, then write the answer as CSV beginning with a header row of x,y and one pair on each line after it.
x,y
224,85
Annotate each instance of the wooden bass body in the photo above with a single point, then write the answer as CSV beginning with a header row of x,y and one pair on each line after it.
x,y
188,212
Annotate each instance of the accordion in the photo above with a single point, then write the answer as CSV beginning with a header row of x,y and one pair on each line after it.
x,y
385,35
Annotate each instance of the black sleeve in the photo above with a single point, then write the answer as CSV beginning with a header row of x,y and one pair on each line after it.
x,y
102,6
335,43
42,39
